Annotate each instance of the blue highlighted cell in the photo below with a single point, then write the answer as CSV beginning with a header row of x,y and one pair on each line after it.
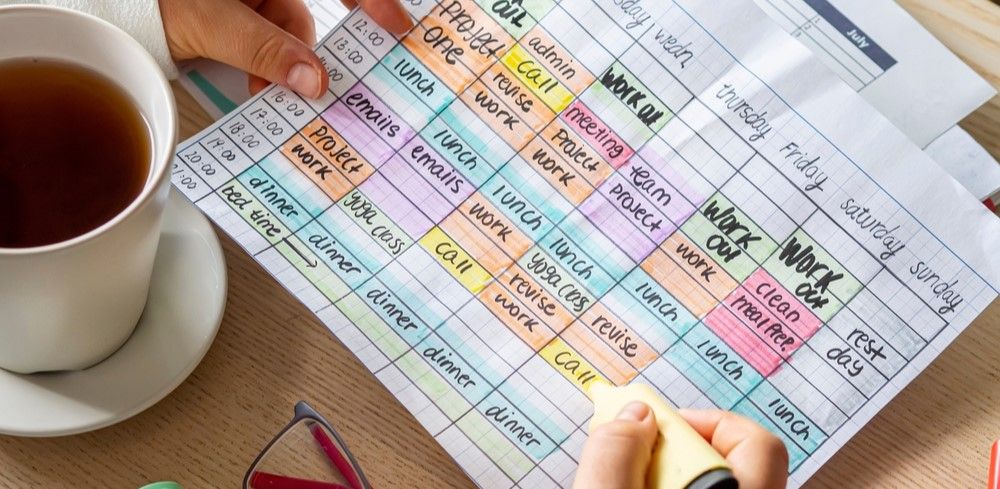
x,y
459,153
536,188
464,122
787,417
581,230
414,295
658,301
795,454
422,84
542,420
454,332
571,255
289,211
517,207
723,359
707,379
620,302
355,239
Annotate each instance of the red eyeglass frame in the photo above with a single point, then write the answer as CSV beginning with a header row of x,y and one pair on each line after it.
x,y
348,467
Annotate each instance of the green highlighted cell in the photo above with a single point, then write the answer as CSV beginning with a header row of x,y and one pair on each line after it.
x,y
517,17
430,383
729,237
509,458
812,275
310,266
372,326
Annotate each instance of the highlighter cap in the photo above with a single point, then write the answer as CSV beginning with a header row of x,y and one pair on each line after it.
x,y
715,479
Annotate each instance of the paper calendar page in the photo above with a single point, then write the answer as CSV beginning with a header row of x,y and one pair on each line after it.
x,y
519,199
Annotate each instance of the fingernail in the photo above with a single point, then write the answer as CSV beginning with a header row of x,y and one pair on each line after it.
x,y
634,411
304,79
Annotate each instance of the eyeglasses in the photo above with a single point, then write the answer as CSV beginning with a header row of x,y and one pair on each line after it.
x,y
307,454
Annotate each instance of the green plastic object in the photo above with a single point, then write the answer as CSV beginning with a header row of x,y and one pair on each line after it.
x,y
162,485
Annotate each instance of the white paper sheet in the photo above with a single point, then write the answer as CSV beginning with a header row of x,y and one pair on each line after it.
x,y
927,73
600,191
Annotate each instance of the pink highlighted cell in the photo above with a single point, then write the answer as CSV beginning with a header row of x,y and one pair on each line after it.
x,y
782,303
743,341
359,136
377,116
398,208
585,123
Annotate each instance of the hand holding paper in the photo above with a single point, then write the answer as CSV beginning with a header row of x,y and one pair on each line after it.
x,y
270,39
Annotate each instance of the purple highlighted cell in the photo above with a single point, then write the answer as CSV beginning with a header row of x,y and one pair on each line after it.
x,y
414,188
661,163
372,147
658,190
631,203
396,206
377,115
617,227
437,171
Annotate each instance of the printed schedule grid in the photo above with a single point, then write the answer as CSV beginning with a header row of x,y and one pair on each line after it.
x,y
518,199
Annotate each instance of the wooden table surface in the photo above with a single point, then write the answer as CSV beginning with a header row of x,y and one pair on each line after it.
x,y
271,352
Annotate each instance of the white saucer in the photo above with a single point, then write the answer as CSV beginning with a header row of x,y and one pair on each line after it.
x,y
183,313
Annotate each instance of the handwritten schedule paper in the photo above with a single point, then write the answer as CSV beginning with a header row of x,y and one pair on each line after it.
x,y
519,199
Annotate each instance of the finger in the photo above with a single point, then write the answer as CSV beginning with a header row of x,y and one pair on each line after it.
x,y
758,458
616,455
388,14
291,15
230,32
350,4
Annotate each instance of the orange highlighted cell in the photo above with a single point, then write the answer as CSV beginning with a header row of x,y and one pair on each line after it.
x,y
308,160
699,266
494,224
506,86
599,354
516,316
577,152
669,274
528,291
560,174
500,118
335,148
456,76
557,60
462,32
474,243
622,339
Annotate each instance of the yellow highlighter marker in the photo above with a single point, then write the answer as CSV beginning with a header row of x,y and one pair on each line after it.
x,y
682,459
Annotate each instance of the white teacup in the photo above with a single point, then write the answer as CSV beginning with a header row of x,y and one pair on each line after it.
x,y
69,305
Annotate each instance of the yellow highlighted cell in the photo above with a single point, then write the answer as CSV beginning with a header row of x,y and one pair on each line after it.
x,y
457,261
571,365
538,79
